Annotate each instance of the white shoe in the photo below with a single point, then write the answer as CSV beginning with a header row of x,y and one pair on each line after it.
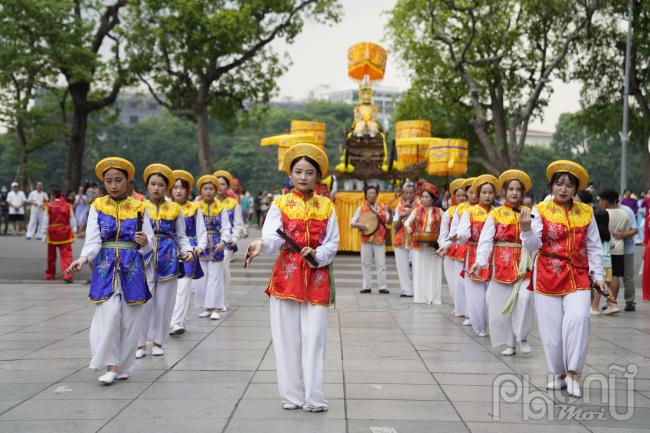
x,y
224,309
525,346
177,330
140,353
611,309
594,312
573,387
204,314
108,377
556,383
215,315
310,408
508,351
482,334
289,406
157,350
466,322
122,376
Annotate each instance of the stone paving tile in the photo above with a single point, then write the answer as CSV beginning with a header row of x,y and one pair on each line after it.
x,y
401,410
393,426
528,428
170,409
313,425
122,390
391,391
271,409
129,424
52,426
65,409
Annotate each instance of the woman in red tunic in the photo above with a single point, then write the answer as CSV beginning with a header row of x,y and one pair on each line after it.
x,y
301,286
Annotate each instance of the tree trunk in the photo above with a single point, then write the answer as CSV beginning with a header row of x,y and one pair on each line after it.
x,y
76,145
204,148
646,164
22,175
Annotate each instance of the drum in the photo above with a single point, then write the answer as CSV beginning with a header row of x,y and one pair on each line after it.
x,y
426,237
371,221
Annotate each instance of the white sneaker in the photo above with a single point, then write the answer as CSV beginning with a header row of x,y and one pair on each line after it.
x,y
594,312
224,309
508,351
157,350
466,322
122,376
611,309
204,314
177,330
482,334
289,406
525,346
215,315
108,377
310,408
140,353
573,387
556,383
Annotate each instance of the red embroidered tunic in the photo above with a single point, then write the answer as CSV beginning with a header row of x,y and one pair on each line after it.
x,y
401,239
477,214
457,250
306,221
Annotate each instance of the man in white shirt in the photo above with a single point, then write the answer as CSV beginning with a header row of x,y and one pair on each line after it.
x,y
16,199
37,198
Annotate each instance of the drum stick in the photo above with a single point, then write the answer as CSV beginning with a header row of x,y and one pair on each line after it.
x,y
296,248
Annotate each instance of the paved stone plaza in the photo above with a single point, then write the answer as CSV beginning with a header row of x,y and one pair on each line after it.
x,y
392,366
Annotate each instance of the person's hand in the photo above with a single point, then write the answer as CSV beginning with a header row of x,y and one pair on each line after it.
x,y
525,219
453,238
77,265
188,257
617,234
220,246
232,244
474,269
442,251
308,251
141,239
254,250
197,251
604,288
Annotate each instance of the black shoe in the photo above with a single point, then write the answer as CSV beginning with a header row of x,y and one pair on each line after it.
x,y
604,307
630,306
404,295
365,291
384,291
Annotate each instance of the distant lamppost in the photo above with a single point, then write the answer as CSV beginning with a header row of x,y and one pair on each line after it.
x,y
625,133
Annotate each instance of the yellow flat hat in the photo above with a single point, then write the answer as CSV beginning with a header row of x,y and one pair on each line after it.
x,y
305,149
224,174
183,175
482,180
565,166
162,169
516,175
114,162
207,178
468,182
455,184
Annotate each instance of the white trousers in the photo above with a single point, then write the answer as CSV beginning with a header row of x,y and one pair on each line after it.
x,y
299,331
509,330
378,252
448,267
460,299
208,290
476,304
158,313
403,270
182,304
563,323
427,277
34,227
227,258
114,333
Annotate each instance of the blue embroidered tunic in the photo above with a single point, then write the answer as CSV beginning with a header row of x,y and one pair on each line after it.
x,y
217,225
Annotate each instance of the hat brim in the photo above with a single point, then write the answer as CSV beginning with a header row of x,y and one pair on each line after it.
x,y
114,162
565,166
305,149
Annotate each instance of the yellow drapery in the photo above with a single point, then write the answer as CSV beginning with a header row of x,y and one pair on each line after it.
x,y
347,203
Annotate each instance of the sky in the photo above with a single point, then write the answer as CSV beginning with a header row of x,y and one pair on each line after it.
x,y
365,20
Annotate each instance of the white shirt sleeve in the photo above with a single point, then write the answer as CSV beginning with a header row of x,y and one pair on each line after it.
x,y
226,227
464,230
238,226
148,231
326,252
445,223
595,251
270,239
486,242
93,242
181,237
532,239
355,217
409,222
201,231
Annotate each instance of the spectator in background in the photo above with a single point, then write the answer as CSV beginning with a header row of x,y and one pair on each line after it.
x,y
630,202
245,204
265,204
640,219
37,198
4,210
16,199
81,207
528,201
628,256
585,197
